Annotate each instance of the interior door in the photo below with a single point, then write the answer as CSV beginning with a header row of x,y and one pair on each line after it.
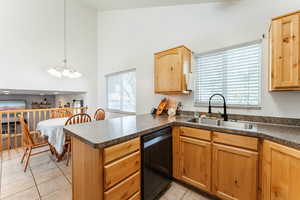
x,y
195,162
285,52
168,71
234,173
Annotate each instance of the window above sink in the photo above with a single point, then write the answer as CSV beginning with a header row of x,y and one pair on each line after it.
x,y
234,72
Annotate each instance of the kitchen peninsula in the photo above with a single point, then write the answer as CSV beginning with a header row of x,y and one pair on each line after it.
x,y
106,157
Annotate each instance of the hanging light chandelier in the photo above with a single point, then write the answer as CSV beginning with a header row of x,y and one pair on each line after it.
x,y
65,70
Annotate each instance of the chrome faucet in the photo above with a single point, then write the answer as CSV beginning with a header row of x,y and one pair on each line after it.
x,y
225,116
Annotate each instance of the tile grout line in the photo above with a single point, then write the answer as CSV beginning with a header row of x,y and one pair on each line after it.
x,y
40,197
184,194
1,169
63,172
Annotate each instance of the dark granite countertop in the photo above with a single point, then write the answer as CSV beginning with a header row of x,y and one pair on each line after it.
x,y
100,134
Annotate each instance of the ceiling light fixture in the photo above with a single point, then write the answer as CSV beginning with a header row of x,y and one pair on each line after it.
x,y
65,70
6,92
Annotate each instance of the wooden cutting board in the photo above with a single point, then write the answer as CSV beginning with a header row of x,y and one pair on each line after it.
x,y
162,106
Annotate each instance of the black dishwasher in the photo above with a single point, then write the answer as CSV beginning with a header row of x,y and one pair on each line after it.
x,y
156,163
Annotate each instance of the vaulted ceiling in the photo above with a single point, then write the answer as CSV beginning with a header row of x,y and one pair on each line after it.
x,y
104,5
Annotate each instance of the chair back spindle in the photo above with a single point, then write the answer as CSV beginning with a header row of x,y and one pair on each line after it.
x,y
78,119
61,113
27,138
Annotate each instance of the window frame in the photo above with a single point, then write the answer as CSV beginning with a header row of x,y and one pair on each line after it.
x,y
234,106
106,82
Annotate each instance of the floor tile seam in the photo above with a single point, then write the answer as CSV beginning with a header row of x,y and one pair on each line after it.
x,y
43,172
35,183
32,167
184,194
62,189
62,171
23,190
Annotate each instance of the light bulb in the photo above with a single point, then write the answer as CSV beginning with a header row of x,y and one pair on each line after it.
x,y
75,74
66,72
54,72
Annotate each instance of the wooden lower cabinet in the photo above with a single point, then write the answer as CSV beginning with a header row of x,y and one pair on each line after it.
x,y
219,165
235,173
195,162
281,172
235,167
111,173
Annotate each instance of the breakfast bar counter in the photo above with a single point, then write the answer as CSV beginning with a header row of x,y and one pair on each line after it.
x,y
101,134
107,155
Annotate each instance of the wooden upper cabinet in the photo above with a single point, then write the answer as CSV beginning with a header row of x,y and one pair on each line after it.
x,y
284,53
281,172
195,162
235,173
169,75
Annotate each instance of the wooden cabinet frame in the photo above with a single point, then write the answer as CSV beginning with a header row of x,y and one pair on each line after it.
x,y
212,143
240,180
106,174
169,70
280,172
284,53
203,159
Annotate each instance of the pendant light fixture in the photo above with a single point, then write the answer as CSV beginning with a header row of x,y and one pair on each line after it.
x,y
65,70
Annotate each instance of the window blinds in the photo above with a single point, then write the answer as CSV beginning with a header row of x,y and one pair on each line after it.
x,y
234,72
121,92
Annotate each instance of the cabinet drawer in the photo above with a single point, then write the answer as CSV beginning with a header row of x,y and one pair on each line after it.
x,y
236,140
121,150
125,190
195,133
136,196
120,169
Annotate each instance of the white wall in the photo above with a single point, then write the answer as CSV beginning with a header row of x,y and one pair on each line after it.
x,y
31,41
128,38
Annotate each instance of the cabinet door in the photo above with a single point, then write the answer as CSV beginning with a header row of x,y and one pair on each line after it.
x,y
195,162
168,72
281,172
234,173
285,52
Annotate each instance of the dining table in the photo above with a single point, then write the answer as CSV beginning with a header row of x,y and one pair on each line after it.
x,y
53,130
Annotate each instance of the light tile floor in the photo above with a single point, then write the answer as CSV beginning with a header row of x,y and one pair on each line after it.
x,y
46,179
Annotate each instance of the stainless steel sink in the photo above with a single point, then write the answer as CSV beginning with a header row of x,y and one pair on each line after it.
x,y
220,122
215,122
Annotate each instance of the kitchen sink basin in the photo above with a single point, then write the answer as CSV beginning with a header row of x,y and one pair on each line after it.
x,y
221,122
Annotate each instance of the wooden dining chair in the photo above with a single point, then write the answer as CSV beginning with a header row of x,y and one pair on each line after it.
x,y
60,113
99,114
75,119
31,143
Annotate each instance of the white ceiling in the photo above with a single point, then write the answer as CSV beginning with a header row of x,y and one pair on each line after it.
x,y
104,5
